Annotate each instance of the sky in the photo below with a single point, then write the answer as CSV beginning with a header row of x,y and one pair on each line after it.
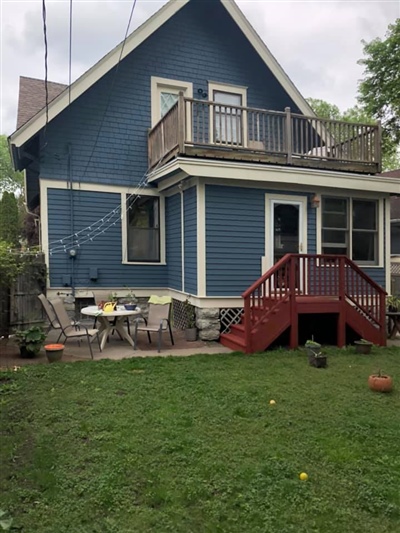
x,y
318,43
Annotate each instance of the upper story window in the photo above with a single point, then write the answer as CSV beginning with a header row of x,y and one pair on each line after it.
x,y
350,227
143,229
164,95
228,121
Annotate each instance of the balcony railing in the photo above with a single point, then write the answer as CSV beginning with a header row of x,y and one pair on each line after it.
x,y
210,129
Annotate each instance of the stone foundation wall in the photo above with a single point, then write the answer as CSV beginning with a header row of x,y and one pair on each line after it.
x,y
208,323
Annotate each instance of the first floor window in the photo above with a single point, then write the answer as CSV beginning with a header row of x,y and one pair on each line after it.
x,y
350,227
143,231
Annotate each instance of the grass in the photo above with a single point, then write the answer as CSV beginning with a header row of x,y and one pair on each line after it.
x,y
193,445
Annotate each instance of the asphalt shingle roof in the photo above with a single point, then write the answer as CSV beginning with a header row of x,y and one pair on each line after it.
x,y
32,97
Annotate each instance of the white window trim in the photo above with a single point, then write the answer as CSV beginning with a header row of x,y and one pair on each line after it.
x,y
173,86
381,224
233,89
124,231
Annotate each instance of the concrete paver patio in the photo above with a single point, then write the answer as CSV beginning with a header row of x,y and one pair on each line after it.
x,y
115,349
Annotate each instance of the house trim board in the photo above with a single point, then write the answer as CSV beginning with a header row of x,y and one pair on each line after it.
x,y
253,172
387,245
201,239
90,77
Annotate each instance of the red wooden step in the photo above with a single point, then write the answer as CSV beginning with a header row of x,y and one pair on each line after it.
x,y
233,342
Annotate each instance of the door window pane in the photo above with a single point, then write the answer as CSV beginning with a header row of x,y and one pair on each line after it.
x,y
167,100
286,230
227,120
143,229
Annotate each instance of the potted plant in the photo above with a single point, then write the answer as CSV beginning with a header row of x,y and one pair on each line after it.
x,y
393,304
190,330
363,346
30,341
54,352
380,382
315,356
130,301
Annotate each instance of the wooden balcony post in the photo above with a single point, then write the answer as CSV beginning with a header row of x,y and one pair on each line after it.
x,y
181,122
378,145
288,133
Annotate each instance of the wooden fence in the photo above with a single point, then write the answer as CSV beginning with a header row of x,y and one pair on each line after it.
x,y
19,305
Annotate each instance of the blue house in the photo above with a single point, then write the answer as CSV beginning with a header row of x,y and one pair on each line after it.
x,y
188,164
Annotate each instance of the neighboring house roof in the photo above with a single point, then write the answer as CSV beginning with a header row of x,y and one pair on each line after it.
x,y
30,128
32,97
391,174
395,208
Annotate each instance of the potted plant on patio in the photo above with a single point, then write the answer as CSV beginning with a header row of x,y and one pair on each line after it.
x,y
393,304
363,346
30,341
54,352
380,382
315,356
130,301
190,330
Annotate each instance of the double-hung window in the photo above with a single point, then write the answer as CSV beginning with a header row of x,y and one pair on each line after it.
x,y
143,229
350,227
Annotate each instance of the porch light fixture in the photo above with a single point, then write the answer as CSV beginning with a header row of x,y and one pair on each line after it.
x,y
72,253
315,201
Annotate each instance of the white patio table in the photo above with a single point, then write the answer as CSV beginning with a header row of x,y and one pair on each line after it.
x,y
107,326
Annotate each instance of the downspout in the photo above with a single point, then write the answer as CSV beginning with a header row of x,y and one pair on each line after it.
x,y
182,237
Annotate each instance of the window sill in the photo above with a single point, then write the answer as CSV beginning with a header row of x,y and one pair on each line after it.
x,y
161,263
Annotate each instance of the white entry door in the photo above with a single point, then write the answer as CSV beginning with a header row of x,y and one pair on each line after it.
x,y
285,227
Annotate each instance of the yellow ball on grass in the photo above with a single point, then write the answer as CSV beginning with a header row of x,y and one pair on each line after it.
x,y
303,476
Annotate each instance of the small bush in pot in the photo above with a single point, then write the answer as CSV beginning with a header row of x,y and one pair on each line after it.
x,y
191,330
380,382
393,304
130,301
30,341
363,346
315,356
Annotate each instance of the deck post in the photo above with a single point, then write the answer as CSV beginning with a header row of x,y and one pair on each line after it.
x,y
247,324
382,318
288,133
341,323
378,145
181,122
294,318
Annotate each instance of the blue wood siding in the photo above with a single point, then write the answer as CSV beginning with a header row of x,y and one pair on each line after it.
x,y
190,224
104,253
106,130
377,274
174,241
235,242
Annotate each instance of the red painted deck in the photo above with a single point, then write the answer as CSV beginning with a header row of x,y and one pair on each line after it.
x,y
309,284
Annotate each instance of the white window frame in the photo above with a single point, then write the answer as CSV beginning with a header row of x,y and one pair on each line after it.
x,y
158,85
232,89
124,230
380,221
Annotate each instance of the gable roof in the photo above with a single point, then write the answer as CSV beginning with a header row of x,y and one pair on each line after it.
x,y
32,97
90,77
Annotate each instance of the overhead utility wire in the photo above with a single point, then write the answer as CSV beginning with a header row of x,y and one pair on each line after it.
x,y
45,61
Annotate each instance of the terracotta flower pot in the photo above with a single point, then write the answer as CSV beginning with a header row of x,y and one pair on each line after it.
x,y
54,352
380,383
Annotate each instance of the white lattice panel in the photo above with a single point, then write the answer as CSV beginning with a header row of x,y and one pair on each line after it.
x,y
179,316
395,269
230,316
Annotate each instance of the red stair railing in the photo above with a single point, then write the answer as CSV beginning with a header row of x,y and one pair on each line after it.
x,y
320,275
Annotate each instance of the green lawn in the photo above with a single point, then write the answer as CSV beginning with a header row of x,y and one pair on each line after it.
x,y
193,445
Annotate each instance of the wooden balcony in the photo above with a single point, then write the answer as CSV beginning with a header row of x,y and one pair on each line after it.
x,y
198,128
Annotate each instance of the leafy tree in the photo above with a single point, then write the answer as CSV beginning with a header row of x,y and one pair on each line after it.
x,y
10,180
379,91
9,219
323,109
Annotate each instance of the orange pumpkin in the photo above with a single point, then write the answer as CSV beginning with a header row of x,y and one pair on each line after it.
x,y
380,383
